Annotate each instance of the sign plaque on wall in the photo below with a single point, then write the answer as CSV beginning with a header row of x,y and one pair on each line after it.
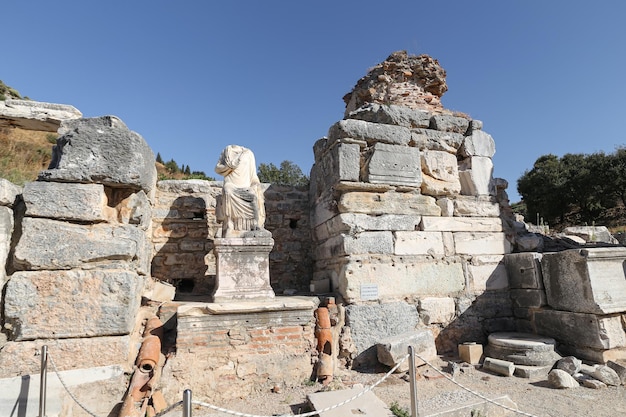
x,y
369,292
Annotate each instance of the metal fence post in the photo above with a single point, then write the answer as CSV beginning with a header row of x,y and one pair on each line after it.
x,y
187,403
43,381
414,412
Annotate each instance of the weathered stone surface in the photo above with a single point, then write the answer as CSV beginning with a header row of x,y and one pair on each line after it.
x,y
393,164
475,207
480,243
338,161
461,224
522,348
440,310
435,140
449,123
416,82
388,203
569,364
392,115
478,143
560,379
602,373
8,192
580,329
370,132
51,244
597,355
391,350
361,243
592,234
476,175
6,231
586,280
86,148
65,201
419,278
213,188
441,174
527,298
75,303
620,369
487,275
242,269
589,382
524,270
352,223
137,210
419,243
35,115
20,358
372,323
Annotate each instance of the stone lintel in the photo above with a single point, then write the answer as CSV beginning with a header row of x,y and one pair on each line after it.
x,y
248,306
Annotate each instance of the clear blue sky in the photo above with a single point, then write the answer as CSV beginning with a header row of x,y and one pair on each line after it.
x,y
194,76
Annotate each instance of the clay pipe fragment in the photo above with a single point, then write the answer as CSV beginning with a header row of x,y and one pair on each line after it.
x,y
149,354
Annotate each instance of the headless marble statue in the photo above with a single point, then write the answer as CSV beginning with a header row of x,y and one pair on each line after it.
x,y
242,207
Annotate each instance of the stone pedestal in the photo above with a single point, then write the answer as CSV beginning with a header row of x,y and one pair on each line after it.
x,y
242,271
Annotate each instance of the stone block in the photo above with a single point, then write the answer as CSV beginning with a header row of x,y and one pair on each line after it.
x,y
392,350
437,310
581,329
393,164
370,132
461,224
526,298
8,192
66,201
478,143
475,207
371,323
586,280
481,243
418,243
524,270
392,115
487,277
592,234
532,372
242,269
352,223
51,244
620,370
441,174
471,352
86,148
594,355
341,162
435,140
476,174
388,203
75,303
522,348
418,278
361,243
449,123
6,232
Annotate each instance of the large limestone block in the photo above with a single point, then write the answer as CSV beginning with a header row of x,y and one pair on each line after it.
x,y
370,132
476,175
461,224
102,150
74,303
8,192
419,243
352,223
439,310
581,329
478,143
35,115
481,243
475,207
372,323
388,203
392,115
379,243
6,231
20,358
340,163
524,270
51,244
586,280
65,201
393,164
487,275
441,174
592,234
449,123
395,278
436,141
392,350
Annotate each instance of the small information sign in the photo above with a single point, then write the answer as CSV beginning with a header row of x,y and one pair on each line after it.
x,y
369,292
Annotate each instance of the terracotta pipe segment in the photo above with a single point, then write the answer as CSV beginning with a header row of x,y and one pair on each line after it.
x,y
149,354
324,341
128,408
323,318
325,368
138,388
154,327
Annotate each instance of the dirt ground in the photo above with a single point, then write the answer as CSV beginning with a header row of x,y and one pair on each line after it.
x,y
532,396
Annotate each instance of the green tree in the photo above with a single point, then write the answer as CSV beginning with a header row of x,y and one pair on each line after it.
x,y
172,166
616,171
288,174
158,158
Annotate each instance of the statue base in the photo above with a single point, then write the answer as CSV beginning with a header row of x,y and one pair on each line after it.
x,y
243,268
